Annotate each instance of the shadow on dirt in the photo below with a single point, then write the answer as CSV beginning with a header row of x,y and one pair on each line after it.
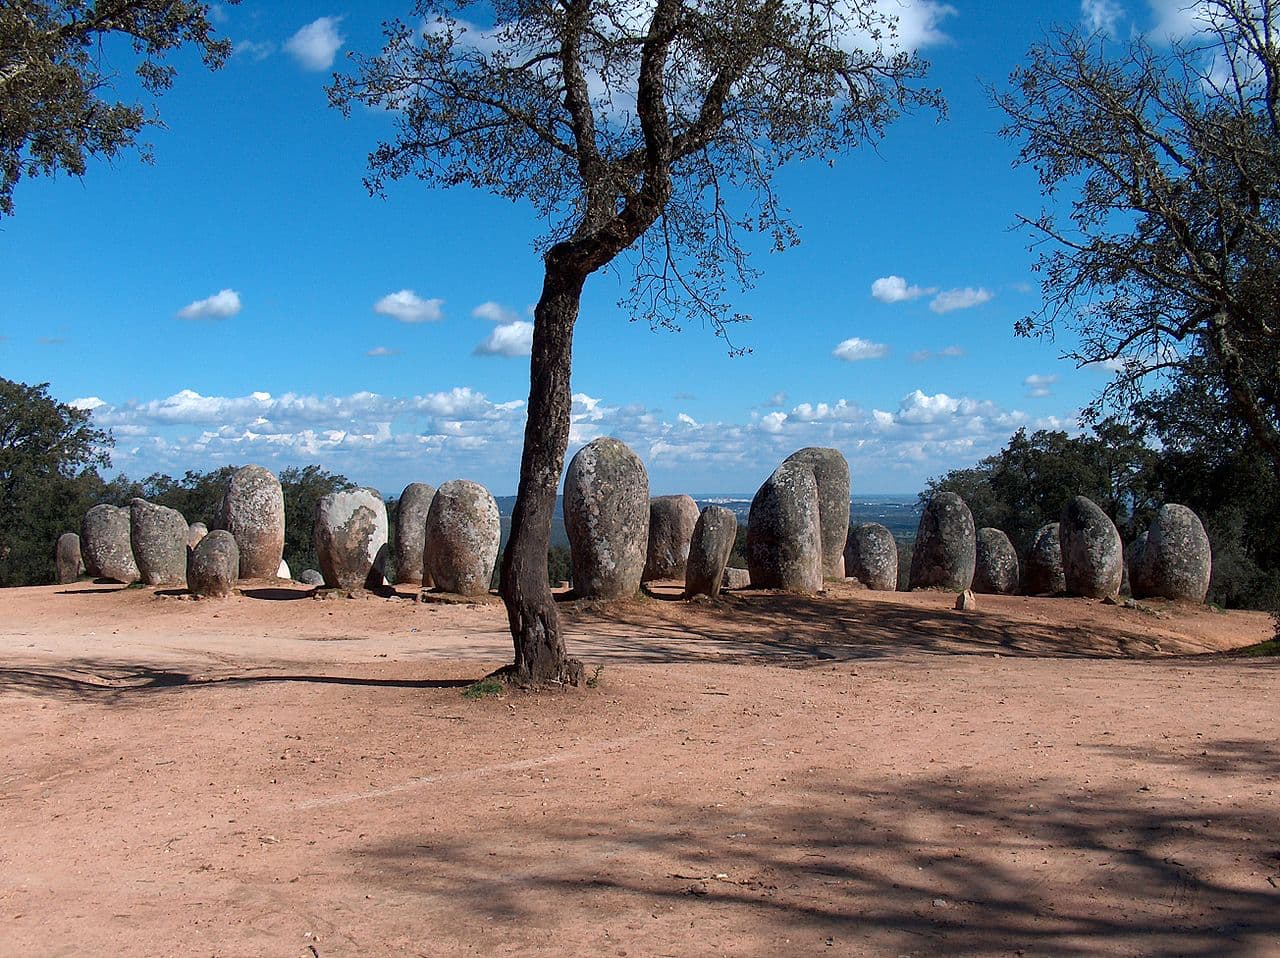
x,y
932,865
115,682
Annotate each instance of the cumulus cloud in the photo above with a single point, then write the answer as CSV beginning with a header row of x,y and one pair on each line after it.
x,y
919,22
408,307
966,298
1101,16
255,50
895,289
221,305
509,339
495,312
1038,385
856,348
315,45
383,351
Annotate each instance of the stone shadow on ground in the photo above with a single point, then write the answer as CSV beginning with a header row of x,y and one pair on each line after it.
x,y
953,864
780,628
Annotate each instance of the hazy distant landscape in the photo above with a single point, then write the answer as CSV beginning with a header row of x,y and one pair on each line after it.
x,y
898,513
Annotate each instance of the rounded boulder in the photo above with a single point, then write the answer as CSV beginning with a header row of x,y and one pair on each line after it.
x,y
606,517
253,512
311,577
1176,561
831,472
461,538
106,542
871,557
214,565
713,535
1044,562
945,552
671,522
1092,553
351,539
67,559
995,570
411,530
158,535
784,532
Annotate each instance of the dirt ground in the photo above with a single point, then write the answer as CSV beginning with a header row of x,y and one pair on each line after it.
x,y
852,774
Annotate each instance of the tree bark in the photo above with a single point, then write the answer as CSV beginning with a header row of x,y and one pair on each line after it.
x,y
531,609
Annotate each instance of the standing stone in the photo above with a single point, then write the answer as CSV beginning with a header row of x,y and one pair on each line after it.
x,y
831,471
671,522
214,565
253,512
709,548
1134,569
606,517
735,578
311,577
158,535
1176,561
945,552
871,557
351,539
105,539
784,531
411,530
996,567
66,558
1092,553
1044,562
461,537
195,532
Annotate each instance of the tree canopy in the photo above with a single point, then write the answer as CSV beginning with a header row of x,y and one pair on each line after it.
x,y
57,106
1169,253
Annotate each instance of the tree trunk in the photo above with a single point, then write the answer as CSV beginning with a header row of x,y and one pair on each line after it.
x,y
531,609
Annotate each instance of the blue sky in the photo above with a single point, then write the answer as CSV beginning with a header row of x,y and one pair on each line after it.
x,y
245,300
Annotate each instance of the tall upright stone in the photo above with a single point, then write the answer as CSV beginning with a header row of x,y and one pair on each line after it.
x,y
831,471
996,569
1092,553
213,565
1176,561
411,530
253,512
351,539
671,522
709,549
1044,562
106,542
158,535
461,538
784,531
945,552
67,559
871,557
606,517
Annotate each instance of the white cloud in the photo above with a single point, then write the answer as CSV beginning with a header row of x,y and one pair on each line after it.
x,y
383,351
255,50
895,289
773,422
88,403
965,298
919,22
495,312
1101,15
686,419
1038,385
408,307
315,45
509,339
856,348
220,305
946,352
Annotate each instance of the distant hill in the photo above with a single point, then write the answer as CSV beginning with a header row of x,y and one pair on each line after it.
x,y
900,514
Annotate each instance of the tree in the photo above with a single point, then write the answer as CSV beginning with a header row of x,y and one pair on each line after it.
x,y
48,455
1170,251
55,105
631,127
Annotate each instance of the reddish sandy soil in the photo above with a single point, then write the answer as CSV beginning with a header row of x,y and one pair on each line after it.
x,y
854,774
